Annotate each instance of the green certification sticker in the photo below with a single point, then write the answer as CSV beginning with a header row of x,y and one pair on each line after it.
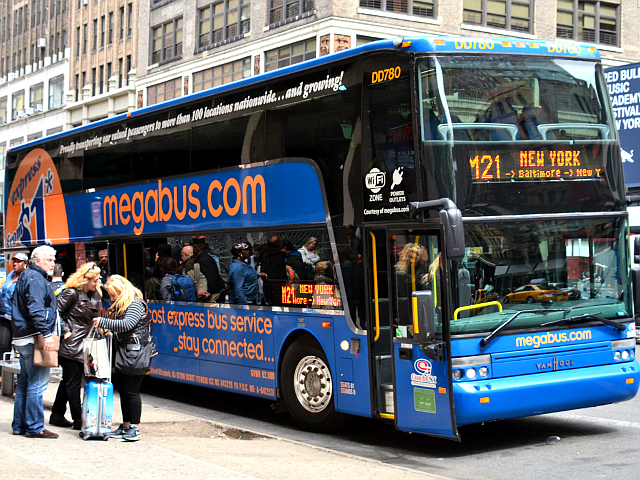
x,y
424,400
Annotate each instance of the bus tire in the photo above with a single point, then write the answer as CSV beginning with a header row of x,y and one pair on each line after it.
x,y
307,387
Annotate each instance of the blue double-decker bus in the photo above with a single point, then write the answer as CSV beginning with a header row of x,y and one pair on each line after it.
x,y
457,205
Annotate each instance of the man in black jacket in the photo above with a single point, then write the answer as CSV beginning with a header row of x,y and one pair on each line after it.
x,y
274,265
34,312
208,267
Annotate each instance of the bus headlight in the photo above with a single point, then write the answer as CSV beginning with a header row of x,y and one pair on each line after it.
x,y
457,374
623,349
484,371
471,373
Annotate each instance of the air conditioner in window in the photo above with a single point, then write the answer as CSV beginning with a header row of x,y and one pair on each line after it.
x,y
38,107
42,42
85,2
21,114
29,111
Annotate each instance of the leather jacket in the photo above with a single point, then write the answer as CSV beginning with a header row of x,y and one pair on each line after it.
x,y
79,321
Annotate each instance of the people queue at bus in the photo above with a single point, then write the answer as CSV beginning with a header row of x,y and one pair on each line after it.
x,y
29,298
256,274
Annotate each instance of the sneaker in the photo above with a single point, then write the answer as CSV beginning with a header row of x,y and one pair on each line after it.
x,y
118,431
59,421
43,434
132,434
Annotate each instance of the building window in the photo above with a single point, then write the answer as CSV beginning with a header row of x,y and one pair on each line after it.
x,y
289,10
95,34
222,74
121,23
127,70
16,141
17,104
110,28
3,157
164,91
591,22
51,131
130,19
3,110
506,14
223,21
418,8
102,30
34,136
35,97
166,41
290,54
120,73
84,39
56,89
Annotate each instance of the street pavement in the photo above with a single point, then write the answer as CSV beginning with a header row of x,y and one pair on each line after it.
x,y
175,446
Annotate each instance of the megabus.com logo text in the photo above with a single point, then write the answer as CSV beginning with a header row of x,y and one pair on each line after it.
x,y
551,338
163,204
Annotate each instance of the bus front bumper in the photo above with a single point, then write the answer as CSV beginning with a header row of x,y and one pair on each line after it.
x,y
535,394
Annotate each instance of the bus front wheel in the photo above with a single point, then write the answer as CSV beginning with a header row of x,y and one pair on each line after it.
x,y
307,387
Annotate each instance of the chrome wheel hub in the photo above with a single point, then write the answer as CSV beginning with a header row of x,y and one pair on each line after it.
x,y
312,384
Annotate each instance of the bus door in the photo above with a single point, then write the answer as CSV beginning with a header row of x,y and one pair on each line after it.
x,y
127,258
417,391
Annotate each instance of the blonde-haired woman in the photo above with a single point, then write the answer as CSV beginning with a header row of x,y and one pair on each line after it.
x,y
130,320
309,252
78,303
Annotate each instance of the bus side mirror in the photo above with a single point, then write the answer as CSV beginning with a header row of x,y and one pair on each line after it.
x,y
636,249
425,312
451,219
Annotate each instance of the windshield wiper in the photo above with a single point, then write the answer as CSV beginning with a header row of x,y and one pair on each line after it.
x,y
485,341
587,316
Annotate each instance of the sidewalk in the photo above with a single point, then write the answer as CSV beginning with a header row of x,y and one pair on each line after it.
x,y
175,446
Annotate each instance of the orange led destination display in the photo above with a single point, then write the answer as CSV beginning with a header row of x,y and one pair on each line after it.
x,y
535,165
306,295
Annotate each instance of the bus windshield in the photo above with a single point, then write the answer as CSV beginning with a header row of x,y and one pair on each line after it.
x,y
493,123
574,267
513,98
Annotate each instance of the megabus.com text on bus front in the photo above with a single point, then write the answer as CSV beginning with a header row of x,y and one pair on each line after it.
x,y
162,204
551,338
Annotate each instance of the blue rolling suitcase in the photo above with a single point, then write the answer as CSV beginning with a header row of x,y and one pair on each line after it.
x,y
97,403
97,410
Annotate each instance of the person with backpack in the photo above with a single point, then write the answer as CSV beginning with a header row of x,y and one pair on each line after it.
x,y
174,287
243,279
78,303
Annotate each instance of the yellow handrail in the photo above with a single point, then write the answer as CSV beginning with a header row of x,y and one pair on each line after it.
x,y
472,307
375,285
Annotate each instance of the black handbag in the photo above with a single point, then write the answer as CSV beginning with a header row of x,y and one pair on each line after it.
x,y
134,358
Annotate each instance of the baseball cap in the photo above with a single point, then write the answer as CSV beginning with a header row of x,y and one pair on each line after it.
x,y
21,257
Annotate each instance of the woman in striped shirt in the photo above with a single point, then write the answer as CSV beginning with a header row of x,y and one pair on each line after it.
x,y
130,320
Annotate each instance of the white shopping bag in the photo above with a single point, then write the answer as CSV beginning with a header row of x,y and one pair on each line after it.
x,y
97,355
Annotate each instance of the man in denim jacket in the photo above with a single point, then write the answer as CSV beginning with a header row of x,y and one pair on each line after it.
x,y
34,313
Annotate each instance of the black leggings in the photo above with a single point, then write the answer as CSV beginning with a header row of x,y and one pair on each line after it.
x,y
69,389
5,335
130,402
